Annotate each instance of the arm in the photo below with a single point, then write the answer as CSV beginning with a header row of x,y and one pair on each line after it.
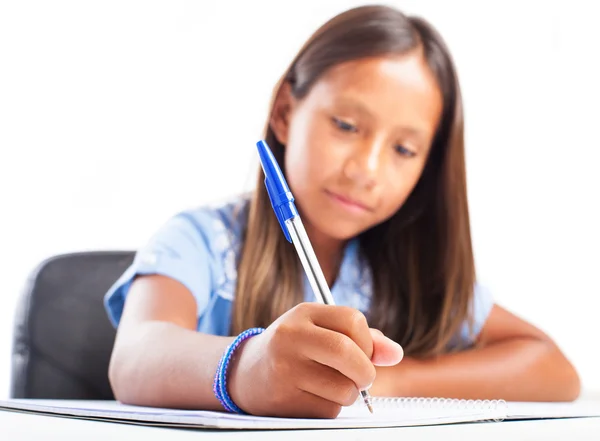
x,y
157,335
515,361
306,364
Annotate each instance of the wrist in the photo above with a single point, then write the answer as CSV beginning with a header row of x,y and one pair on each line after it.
x,y
240,374
226,387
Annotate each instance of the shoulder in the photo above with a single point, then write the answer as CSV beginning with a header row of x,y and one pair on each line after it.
x,y
198,247
221,224
210,228
480,307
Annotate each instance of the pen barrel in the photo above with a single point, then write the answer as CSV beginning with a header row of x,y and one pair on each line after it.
x,y
315,275
309,260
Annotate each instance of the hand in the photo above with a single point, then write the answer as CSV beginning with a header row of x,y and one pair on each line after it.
x,y
309,363
386,352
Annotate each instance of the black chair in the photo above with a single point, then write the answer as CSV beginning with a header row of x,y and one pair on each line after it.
x,y
62,336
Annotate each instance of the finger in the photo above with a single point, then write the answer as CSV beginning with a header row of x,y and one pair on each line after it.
x,y
345,320
338,351
386,352
328,383
305,405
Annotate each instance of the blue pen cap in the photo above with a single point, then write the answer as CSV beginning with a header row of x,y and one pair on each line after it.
x,y
280,195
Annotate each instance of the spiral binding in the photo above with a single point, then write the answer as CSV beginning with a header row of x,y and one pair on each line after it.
x,y
435,403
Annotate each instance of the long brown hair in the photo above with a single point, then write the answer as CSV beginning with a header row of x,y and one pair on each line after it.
x,y
422,258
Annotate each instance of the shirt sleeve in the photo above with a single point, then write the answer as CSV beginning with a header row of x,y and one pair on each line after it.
x,y
481,307
179,250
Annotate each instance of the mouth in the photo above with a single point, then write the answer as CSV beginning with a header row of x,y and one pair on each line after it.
x,y
348,203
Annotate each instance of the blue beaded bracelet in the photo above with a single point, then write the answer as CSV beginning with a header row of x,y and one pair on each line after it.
x,y
220,383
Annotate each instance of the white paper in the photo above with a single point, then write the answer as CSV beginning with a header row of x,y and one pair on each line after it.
x,y
409,413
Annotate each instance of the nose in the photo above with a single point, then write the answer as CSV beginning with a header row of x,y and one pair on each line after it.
x,y
364,164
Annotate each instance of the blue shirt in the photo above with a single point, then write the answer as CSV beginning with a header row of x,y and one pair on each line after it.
x,y
200,247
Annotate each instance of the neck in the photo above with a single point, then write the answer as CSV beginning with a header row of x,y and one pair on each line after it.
x,y
328,251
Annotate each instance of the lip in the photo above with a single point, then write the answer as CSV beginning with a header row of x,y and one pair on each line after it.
x,y
348,203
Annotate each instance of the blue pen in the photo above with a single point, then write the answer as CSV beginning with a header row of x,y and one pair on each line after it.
x,y
282,201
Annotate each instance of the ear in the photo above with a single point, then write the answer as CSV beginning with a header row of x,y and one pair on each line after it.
x,y
281,114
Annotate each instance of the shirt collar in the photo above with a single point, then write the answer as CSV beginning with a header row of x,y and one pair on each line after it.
x,y
354,278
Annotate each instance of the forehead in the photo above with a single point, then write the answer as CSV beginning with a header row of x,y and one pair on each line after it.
x,y
392,88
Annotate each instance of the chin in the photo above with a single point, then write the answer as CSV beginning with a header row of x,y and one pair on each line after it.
x,y
341,229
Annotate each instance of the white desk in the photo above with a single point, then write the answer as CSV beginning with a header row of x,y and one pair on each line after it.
x,y
16,426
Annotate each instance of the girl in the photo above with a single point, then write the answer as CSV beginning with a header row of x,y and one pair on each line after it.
x,y
367,125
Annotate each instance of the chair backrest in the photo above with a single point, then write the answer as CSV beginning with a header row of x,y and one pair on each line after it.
x,y
62,336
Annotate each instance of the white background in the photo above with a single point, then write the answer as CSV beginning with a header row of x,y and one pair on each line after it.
x,y
116,114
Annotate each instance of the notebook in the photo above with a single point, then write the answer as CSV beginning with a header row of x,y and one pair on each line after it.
x,y
389,412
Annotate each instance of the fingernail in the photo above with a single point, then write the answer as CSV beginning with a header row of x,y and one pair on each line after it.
x,y
393,341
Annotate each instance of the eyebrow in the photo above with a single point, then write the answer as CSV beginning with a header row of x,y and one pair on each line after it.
x,y
350,103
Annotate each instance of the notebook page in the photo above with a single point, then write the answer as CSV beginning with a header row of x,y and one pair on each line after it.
x,y
351,417
577,409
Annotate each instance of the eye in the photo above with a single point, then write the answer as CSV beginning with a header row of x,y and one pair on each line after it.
x,y
343,125
404,151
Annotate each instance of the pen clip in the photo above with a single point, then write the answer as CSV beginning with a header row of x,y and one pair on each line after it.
x,y
279,192
277,208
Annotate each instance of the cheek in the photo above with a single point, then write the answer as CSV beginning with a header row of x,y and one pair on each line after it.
x,y
399,187
296,157
306,155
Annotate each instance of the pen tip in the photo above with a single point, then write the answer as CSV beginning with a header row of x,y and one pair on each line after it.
x,y
367,399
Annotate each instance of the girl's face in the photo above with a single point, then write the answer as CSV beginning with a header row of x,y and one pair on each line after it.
x,y
356,144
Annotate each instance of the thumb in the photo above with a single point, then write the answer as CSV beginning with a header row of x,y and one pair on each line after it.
x,y
386,352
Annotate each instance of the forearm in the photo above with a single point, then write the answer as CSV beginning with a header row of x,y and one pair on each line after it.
x,y
515,370
161,364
